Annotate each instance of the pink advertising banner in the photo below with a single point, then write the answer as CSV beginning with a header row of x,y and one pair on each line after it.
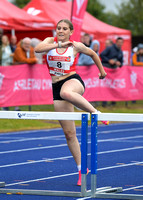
x,y
31,84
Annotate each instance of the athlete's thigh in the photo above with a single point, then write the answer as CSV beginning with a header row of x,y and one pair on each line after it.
x,y
73,85
64,106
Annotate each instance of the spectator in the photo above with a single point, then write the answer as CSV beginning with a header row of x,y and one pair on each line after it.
x,y
24,53
112,56
95,45
108,43
86,40
13,43
1,33
87,60
39,56
6,55
137,58
6,52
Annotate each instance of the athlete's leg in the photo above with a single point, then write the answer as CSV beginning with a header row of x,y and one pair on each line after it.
x,y
72,91
69,129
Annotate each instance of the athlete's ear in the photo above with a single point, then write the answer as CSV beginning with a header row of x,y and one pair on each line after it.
x,y
71,32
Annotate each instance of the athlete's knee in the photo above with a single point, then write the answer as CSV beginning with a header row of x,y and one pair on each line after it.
x,y
65,94
69,134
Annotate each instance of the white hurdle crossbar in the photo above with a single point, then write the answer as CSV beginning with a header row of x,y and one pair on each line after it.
x,y
105,192
69,116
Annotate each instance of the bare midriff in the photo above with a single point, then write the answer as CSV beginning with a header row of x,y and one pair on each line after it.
x,y
55,79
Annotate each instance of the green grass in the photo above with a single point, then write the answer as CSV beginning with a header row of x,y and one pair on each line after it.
x,y
7,125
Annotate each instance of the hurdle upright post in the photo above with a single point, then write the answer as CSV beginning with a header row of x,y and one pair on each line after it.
x,y
84,132
94,124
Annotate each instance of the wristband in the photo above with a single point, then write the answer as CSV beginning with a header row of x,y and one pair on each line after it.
x,y
59,44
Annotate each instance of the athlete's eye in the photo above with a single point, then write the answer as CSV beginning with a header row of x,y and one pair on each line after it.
x,y
59,28
65,28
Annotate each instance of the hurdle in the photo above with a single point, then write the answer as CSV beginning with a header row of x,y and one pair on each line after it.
x,y
94,192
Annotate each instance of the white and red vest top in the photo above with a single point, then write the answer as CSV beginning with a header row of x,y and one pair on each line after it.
x,y
60,63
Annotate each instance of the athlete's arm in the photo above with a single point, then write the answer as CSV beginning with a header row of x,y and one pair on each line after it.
x,y
81,48
46,45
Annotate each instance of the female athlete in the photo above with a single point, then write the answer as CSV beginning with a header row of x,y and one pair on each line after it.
x,y
68,86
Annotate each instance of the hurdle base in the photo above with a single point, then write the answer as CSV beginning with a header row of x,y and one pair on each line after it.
x,y
105,192
109,192
119,196
44,192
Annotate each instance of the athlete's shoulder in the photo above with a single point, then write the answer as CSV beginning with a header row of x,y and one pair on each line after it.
x,y
78,46
49,40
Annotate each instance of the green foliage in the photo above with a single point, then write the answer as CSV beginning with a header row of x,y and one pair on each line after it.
x,y
21,3
95,8
130,16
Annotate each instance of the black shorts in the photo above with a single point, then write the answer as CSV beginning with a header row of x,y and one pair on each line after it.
x,y
57,86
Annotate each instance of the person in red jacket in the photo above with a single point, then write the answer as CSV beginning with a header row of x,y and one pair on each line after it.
x,y
24,53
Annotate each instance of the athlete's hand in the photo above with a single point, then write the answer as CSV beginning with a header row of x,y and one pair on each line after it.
x,y
66,44
102,76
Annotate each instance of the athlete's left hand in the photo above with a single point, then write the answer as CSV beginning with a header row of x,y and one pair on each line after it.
x,y
67,44
102,76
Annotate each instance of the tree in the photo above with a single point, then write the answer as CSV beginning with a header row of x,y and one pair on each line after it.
x,y
95,8
130,16
21,3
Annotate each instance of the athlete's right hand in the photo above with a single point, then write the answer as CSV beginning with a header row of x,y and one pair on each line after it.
x,y
102,76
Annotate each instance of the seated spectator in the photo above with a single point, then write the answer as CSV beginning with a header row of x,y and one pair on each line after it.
x,y
7,56
13,43
87,60
24,53
112,56
137,58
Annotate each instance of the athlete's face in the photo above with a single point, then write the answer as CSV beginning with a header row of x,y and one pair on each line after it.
x,y
63,31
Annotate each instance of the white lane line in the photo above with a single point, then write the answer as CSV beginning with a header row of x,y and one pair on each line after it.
x,y
121,138
63,145
33,149
61,136
70,174
132,188
68,157
120,150
84,198
60,129
31,131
